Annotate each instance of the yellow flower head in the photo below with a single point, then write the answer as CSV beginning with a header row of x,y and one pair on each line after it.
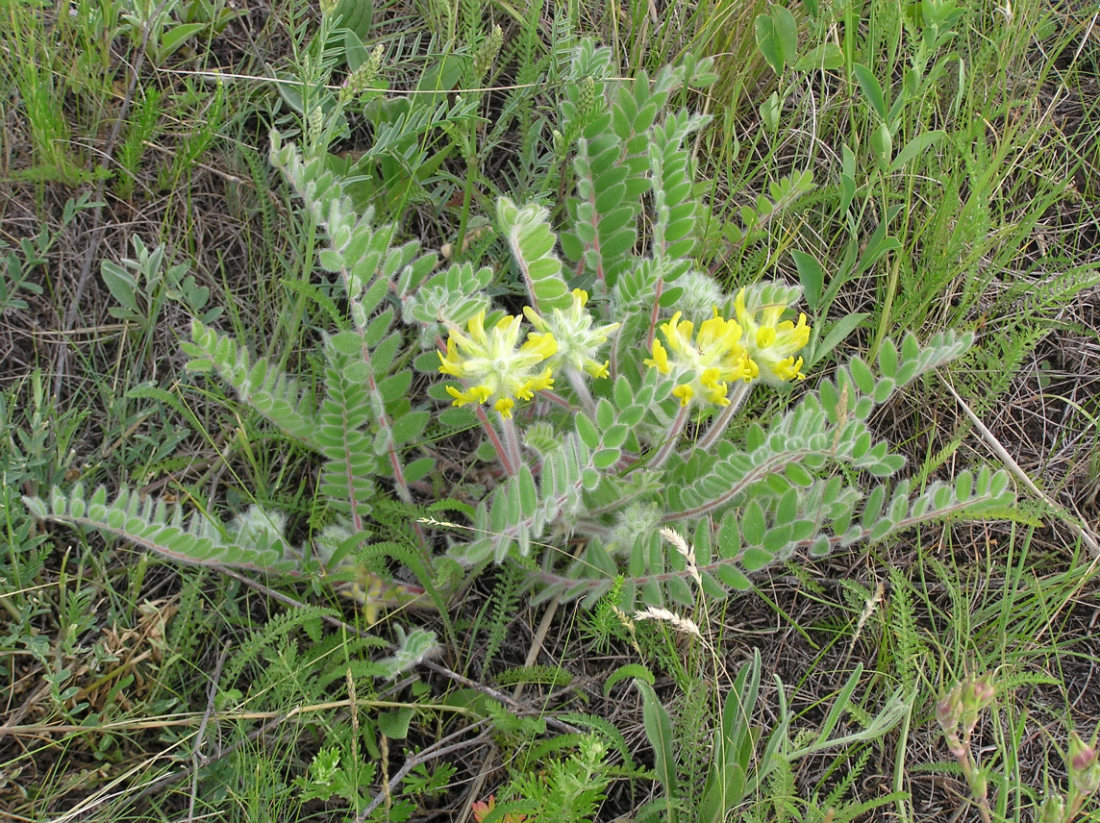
x,y
492,367
714,358
771,342
577,341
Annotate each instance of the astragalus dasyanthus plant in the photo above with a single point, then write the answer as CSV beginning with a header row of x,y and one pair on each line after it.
x,y
564,402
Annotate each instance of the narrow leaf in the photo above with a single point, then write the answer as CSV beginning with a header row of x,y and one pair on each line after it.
x,y
658,729
871,89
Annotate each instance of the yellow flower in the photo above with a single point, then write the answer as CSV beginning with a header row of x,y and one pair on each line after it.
x,y
714,358
660,358
771,342
577,341
492,366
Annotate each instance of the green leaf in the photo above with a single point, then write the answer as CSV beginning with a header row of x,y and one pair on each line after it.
x,y
873,506
881,529
883,389
888,358
826,57
777,538
378,327
408,427
723,792
678,591
623,392
635,670
837,333
755,559
917,146
861,375
605,415
752,524
121,283
882,144
777,38
36,506
356,16
798,475
810,276
632,416
733,577
355,53
586,430
395,386
861,445
614,436
528,493
964,484
348,343
458,418
605,458
871,90
394,724
177,36
769,113
658,728
331,261
590,478
418,469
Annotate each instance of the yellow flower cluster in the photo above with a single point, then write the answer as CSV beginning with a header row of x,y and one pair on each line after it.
x,y
715,358
773,343
578,342
755,345
496,371
493,367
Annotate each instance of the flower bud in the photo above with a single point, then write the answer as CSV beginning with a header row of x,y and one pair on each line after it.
x,y
1053,809
977,695
1082,765
487,53
949,710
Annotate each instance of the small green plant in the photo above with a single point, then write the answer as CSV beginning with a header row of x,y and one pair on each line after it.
x,y
27,461
958,713
566,435
145,123
165,27
1083,769
888,158
748,765
49,58
143,284
562,788
18,266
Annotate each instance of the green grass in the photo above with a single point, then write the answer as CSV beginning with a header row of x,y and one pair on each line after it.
x,y
141,690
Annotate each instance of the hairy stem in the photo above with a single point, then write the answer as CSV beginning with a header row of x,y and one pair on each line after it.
x,y
740,391
506,462
671,439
